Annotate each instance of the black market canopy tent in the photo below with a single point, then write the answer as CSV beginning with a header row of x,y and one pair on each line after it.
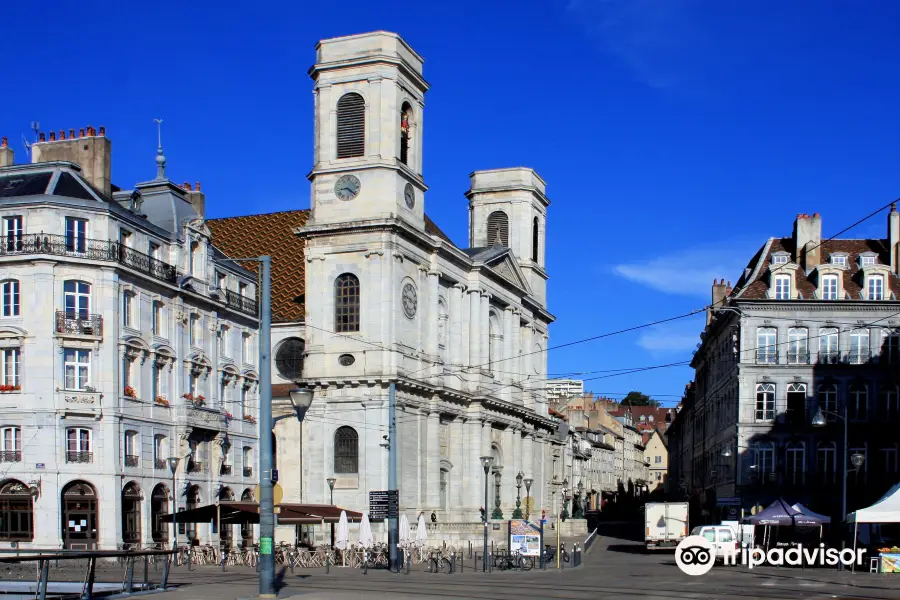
x,y
782,514
228,512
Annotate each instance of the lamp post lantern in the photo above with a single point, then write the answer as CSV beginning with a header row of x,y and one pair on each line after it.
x,y
577,511
528,482
331,481
517,514
173,466
486,462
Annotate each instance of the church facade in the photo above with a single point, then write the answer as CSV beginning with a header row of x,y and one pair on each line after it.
x,y
388,297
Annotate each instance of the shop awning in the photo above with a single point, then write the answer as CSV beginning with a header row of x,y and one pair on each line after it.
x,y
241,513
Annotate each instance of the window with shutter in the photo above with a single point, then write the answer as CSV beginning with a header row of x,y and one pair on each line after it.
x,y
498,229
351,126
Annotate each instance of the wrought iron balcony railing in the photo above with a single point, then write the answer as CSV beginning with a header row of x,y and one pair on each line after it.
x,y
241,303
858,357
79,323
226,470
248,471
79,457
829,357
797,358
11,456
160,464
196,467
106,250
766,356
131,460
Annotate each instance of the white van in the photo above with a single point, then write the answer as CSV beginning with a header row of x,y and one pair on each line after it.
x,y
722,537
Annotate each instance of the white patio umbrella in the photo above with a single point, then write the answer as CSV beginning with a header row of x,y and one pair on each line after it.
x,y
404,531
366,540
342,537
421,532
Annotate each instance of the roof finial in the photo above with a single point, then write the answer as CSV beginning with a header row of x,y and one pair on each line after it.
x,y
160,157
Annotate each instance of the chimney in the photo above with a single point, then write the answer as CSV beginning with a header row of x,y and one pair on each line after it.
x,y
196,198
6,153
719,292
807,240
893,236
93,153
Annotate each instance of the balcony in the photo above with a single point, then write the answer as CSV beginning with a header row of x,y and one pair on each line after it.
x,y
766,356
226,470
196,467
798,358
7,456
858,357
248,471
104,250
241,303
79,324
79,457
160,464
131,460
829,358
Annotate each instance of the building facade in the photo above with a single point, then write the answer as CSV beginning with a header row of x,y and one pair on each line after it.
x,y
125,340
656,457
386,296
811,327
563,389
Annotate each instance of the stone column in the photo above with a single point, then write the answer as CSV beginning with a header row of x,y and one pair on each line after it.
x,y
378,145
526,365
456,330
458,458
510,469
515,361
507,366
432,460
433,316
475,325
485,330
528,466
472,469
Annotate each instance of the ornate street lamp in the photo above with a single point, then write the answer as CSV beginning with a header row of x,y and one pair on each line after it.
x,y
486,462
565,500
173,466
528,482
517,514
497,514
331,481
577,510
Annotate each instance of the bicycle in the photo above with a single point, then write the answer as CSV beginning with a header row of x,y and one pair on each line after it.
x,y
437,563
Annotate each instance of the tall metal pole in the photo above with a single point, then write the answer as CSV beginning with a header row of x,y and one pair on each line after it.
x,y
484,556
174,514
844,488
393,523
266,491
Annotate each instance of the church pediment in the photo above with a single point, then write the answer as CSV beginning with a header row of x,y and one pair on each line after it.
x,y
508,269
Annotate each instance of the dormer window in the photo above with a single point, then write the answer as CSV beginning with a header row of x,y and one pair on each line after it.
x,y
830,287
839,260
783,287
875,287
780,258
866,260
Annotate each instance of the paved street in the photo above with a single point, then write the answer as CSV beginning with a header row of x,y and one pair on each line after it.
x,y
615,568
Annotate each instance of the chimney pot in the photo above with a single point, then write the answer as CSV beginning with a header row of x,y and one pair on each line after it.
x,y
62,134
187,186
197,186
81,132
102,130
72,134
52,136
4,142
41,137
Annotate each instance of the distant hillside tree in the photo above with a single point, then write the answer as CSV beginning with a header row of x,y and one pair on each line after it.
x,y
638,399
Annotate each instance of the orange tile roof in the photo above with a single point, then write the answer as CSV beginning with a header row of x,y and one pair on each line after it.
x,y
272,234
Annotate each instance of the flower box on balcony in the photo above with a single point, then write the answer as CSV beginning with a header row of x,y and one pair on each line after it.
x,y
130,392
250,419
10,388
228,416
197,400
161,401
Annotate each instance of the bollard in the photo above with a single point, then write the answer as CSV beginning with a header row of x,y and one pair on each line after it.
x,y
146,571
408,561
189,557
223,562
365,562
452,562
129,575
326,564
490,562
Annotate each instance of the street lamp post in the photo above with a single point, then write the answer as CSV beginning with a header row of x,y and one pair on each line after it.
x,y
331,481
565,490
173,466
486,462
819,420
528,482
577,510
517,514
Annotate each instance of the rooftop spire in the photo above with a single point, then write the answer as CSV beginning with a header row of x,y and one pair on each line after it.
x,y
160,157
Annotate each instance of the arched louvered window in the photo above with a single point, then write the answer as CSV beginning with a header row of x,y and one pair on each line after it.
x,y
346,303
534,240
498,229
351,126
405,116
346,450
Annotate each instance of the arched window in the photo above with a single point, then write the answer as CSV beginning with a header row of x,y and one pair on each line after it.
x,y
798,346
16,511
405,117
445,489
77,296
859,346
765,401
535,238
495,341
80,515
346,450
246,528
890,402
795,463
289,358
826,456
159,507
131,514
443,324
346,303
829,349
857,402
498,229
351,126
796,402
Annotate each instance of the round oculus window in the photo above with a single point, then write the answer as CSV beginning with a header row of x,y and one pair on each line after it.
x,y
289,358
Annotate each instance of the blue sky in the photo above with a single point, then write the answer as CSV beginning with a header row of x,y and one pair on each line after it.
x,y
674,135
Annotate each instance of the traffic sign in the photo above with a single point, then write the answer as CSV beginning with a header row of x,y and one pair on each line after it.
x,y
384,504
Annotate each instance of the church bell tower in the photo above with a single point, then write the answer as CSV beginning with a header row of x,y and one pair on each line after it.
x,y
369,100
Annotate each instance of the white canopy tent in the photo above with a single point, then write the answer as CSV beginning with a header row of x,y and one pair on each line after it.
x,y
886,510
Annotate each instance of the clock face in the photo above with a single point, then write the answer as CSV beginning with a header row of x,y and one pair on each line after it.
x,y
409,300
410,196
346,187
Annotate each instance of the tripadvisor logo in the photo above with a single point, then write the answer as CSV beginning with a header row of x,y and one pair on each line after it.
x,y
696,555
